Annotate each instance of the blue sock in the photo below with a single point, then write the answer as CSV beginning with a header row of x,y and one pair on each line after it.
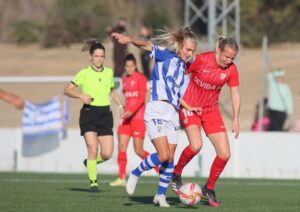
x,y
165,176
147,164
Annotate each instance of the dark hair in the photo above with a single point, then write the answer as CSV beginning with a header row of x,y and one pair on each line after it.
x,y
96,45
92,44
129,57
222,42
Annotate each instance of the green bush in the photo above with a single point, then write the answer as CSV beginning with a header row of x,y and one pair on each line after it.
x,y
27,32
73,20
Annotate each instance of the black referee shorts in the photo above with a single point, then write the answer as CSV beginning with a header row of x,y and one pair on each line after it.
x,y
96,119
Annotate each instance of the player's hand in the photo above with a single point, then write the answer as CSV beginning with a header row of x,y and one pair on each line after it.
x,y
123,39
86,99
197,110
121,111
127,114
235,128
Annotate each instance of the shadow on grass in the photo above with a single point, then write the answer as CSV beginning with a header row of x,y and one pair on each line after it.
x,y
148,200
82,190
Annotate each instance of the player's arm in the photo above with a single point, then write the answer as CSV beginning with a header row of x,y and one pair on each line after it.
x,y
190,108
10,98
236,103
115,96
124,39
70,91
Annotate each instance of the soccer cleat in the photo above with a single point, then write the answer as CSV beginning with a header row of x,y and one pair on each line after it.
x,y
210,196
176,182
118,182
94,186
131,183
160,199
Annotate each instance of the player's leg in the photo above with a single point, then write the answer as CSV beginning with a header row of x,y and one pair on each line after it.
x,y
138,132
215,129
167,167
191,123
154,159
91,140
122,160
124,134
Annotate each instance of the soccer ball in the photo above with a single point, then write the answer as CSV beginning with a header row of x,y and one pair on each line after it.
x,y
190,194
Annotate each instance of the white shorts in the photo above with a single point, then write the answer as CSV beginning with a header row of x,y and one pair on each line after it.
x,y
161,120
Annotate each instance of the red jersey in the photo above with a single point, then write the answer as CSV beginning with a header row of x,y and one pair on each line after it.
x,y
134,89
207,79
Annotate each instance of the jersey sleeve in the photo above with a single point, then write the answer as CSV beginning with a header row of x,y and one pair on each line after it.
x,y
160,53
142,89
233,78
112,83
79,78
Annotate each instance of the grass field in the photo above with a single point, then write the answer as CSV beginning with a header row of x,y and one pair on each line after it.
x,y
69,192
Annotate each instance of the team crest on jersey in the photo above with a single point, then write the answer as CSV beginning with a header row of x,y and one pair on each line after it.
x,y
223,76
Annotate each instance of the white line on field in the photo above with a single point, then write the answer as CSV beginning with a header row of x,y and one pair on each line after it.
x,y
263,183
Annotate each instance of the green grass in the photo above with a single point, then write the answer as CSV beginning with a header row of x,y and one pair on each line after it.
x,y
69,192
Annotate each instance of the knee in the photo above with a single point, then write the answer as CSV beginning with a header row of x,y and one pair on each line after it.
x,y
92,152
163,156
225,156
106,156
196,147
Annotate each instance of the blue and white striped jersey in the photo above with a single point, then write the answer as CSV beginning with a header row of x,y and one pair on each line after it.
x,y
167,76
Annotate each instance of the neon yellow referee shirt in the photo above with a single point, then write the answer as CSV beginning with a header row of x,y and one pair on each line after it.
x,y
96,84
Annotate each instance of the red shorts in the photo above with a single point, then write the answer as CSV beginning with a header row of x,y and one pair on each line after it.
x,y
134,128
211,122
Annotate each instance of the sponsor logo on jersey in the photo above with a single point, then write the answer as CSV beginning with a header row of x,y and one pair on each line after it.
x,y
132,94
206,85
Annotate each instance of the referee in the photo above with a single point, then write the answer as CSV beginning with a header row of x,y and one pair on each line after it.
x,y
96,120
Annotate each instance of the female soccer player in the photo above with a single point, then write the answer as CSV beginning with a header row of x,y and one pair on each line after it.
x,y
132,122
96,120
161,115
209,72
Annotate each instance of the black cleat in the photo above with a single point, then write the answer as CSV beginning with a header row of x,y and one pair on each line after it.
x,y
210,196
176,182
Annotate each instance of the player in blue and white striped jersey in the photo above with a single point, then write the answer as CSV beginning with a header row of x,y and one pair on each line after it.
x,y
171,51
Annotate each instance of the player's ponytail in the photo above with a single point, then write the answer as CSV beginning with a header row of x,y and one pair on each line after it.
x,y
174,40
92,44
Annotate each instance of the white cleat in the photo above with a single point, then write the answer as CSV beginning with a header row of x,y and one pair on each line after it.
x,y
161,200
131,183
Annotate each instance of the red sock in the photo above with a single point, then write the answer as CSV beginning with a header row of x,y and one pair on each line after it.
x,y
156,168
122,161
185,157
215,171
145,154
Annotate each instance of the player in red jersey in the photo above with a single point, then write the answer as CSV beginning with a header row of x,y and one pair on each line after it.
x,y
132,122
209,72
